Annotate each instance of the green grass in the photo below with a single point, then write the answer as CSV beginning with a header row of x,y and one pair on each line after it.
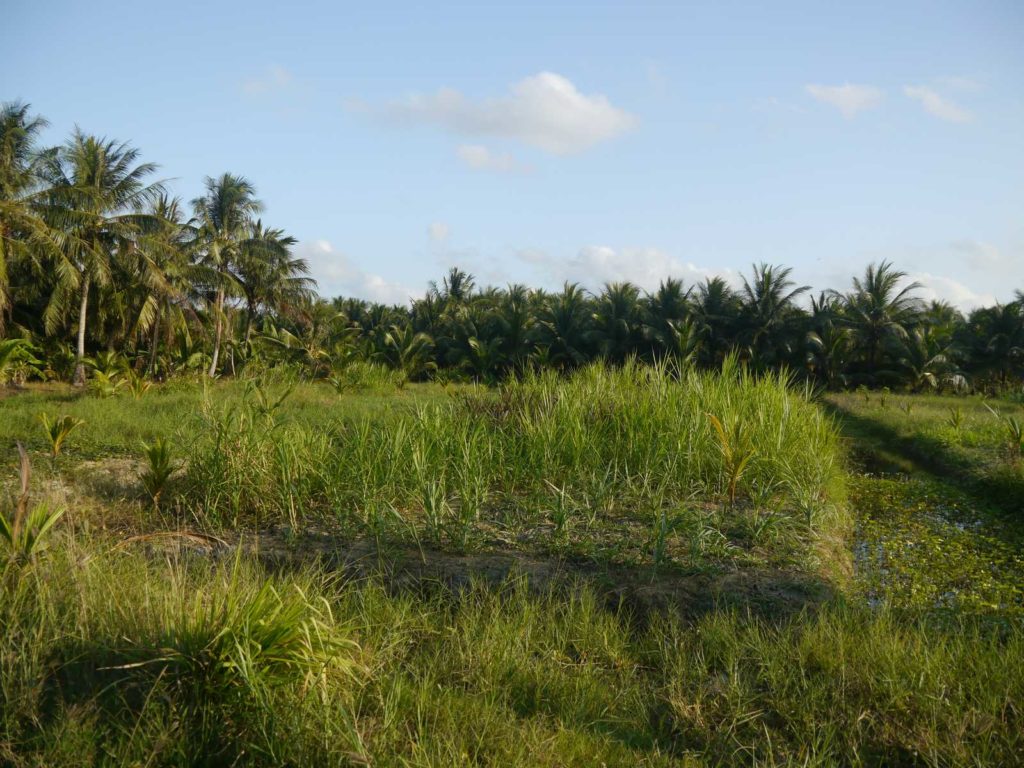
x,y
558,464
939,522
113,657
921,543
115,426
640,487
949,436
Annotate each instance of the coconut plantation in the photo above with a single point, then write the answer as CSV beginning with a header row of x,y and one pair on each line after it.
x,y
325,442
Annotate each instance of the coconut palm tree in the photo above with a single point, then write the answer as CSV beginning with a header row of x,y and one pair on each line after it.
x,y
994,340
457,286
269,275
616,321
767,311
563,327
406,351
878,311
96,189
826,342
715,315
925,359
665,312
20,163
168,250
17,359
516,325
223,217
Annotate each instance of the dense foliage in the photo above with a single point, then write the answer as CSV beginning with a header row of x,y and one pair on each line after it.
x,y
101,268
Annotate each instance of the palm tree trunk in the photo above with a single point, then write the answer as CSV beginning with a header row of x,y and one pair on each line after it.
x,y
79,379
218,330
154,341
250,310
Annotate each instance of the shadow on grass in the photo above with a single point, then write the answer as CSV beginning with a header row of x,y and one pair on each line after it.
x,y
881,448
636,593
157,710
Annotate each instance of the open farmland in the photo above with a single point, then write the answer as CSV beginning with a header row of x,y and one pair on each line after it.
x,y
628,566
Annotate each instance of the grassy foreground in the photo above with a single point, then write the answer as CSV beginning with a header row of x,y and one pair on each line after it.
x,y
131,637
110,657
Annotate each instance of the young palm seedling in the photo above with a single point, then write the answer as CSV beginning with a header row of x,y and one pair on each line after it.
x,y
138,385
734,444
160,465
106,384
25,532
58,429
956,420
260,403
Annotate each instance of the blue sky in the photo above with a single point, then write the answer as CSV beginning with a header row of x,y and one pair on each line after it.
x,y
546,142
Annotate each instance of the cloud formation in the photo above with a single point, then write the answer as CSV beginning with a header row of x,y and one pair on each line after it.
x,y
595,265
939,288
546,111
960,83
480,158
273,80
337,275
849,99
936,105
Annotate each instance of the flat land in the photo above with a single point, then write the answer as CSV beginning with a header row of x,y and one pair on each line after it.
x,y
619,568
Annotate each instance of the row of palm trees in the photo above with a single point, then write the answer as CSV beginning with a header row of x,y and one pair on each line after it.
x,y
89,240
877,333
95,250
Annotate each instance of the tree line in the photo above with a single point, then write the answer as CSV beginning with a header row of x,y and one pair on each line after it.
x,y
102,268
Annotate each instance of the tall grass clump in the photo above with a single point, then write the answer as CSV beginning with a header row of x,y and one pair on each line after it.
x,y
604,436
631,424
110,656
363,376
250,463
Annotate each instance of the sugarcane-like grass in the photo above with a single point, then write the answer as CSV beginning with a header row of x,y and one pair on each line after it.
x,y
172,633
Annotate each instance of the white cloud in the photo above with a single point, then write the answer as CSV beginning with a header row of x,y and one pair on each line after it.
x,y
480,158
545,111
936,105
939,288
595,265
959,83
337,275
849,98
988,258
274,79
439,232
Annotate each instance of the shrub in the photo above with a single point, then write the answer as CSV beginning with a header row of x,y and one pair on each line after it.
x,y
160,465
26,530
58,429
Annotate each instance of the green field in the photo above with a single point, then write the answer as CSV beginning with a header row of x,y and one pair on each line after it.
x,y
622,567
